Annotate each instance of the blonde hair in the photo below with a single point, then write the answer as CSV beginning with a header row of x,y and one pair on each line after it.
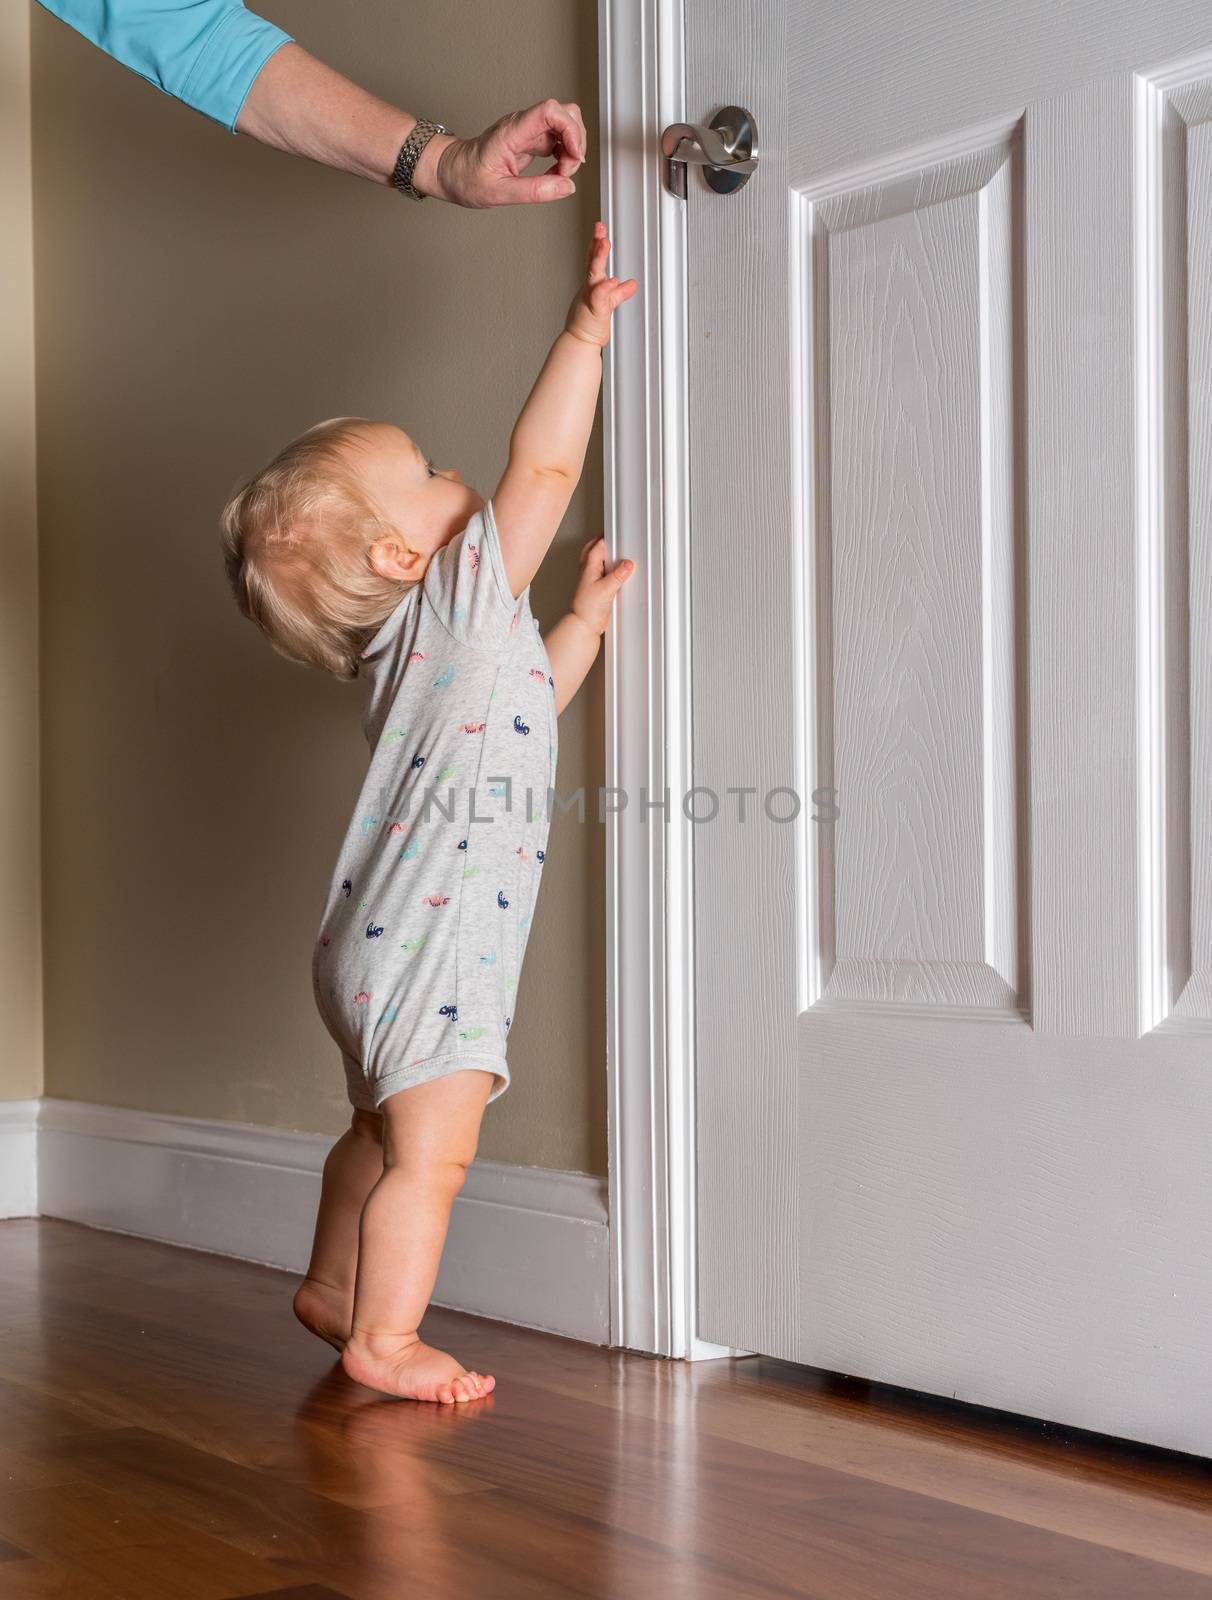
x,y
296,541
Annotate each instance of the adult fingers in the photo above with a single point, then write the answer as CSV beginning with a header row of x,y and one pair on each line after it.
x,y
506,191
574,141
541,128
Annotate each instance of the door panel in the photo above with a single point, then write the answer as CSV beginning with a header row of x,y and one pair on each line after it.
x,y
952,572
916,468
1185,162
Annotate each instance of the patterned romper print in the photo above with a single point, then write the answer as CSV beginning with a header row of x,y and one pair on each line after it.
x,y
420,946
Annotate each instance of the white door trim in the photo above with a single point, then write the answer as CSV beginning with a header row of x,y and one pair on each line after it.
x,y
649,877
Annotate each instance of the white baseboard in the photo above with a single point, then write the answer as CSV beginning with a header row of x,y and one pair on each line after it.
x,y
19,1158
525,1246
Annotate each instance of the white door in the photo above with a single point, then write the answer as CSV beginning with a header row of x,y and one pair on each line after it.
x,y
951,504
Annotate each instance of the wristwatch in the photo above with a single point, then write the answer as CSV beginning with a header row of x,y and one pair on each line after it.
x,y
410,153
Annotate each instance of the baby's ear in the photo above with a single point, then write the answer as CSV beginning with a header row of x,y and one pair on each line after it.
x,y
396,561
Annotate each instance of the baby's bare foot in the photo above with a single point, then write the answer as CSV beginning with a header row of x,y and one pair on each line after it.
x,y
415,1371
324,1311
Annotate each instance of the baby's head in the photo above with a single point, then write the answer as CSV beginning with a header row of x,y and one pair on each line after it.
x,y
323,543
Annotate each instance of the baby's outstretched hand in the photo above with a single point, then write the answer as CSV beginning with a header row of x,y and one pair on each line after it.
x,y
597,588
599,297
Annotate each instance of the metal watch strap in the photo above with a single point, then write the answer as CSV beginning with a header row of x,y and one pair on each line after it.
x,y
410,152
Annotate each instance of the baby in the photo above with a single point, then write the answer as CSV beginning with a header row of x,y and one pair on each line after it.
x,y
353,552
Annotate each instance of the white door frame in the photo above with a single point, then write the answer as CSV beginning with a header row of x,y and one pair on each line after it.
x,y
649,860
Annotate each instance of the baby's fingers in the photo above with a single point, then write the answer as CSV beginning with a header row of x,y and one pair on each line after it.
x,y
618,575
608,295
608,581
599,250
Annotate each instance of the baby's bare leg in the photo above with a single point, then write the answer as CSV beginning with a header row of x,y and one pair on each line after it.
x,y
430,1132
324,1300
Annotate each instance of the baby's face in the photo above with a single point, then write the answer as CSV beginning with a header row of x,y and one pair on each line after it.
x,y
429,505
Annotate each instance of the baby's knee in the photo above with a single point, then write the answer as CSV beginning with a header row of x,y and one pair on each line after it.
x,y
451,1173
367,1125
438,1171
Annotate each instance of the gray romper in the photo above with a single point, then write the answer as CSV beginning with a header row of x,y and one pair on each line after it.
x,y
417,961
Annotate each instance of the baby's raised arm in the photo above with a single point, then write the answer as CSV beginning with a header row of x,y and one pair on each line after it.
x,y
547,449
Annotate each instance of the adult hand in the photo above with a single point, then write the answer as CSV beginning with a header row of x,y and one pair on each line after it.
x,y
487,171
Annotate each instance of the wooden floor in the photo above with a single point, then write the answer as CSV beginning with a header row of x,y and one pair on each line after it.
x,y
167,1432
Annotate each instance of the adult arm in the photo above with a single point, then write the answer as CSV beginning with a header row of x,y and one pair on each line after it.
x,y
207,53
300,105
249,75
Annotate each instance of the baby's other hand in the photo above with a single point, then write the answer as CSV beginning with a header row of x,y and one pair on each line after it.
x,y
599,296
597,589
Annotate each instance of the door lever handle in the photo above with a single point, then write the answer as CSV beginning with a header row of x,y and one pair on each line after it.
x,y
726,149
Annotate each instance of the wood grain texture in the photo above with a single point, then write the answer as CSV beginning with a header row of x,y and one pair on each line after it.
x,y
1015,1214
917,518
956,63
171,1434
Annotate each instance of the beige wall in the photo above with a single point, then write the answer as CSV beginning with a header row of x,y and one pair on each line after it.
x,y
20,974
200,300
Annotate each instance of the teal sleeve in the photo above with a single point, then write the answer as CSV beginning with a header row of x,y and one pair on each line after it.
x,y
204,52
